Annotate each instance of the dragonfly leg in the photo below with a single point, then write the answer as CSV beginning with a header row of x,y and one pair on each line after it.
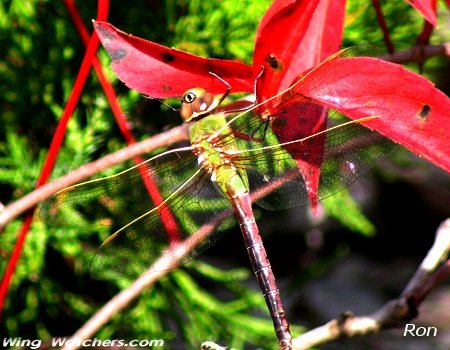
x,y
255,85
245,136
262,269
226,93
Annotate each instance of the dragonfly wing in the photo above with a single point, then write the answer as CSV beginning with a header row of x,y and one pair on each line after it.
x,y
344,151
292,114
122,206
196,204
116,200
323,162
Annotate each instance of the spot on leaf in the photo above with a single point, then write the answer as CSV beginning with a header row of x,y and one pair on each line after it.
x,y
274,63
117,54
424,112
167,57
105,32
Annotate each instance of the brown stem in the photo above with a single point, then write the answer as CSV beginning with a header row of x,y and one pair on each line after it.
x,y
418,53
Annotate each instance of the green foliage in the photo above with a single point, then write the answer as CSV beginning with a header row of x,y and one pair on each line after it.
x,y
343,208
224,29
42,57
19,168
403,21
41,54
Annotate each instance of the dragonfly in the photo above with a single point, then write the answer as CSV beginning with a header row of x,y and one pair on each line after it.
x,y
234,159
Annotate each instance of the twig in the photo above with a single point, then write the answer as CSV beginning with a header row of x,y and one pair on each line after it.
x,y
383,26
395,312
418,53
25,203
438,253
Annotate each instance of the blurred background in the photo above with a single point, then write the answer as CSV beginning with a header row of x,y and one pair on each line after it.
x,y
356,255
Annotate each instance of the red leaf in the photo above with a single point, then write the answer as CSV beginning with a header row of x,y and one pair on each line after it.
x,y
160,72
305,119
293,37
411,111
427,9
277,39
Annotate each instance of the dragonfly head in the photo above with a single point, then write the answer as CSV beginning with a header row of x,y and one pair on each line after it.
x,y
197,102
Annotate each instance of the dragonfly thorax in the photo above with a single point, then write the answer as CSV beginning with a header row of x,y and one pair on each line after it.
x,y
212,157
216,157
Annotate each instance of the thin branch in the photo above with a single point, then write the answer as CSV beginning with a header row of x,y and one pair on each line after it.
x,y
383,26
168,261
27,202
424,37
396,312
418,53
438,253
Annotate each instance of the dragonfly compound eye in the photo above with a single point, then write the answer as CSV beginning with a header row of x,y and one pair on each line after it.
x,y
196,102
189,97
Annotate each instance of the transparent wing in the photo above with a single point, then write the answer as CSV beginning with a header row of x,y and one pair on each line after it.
x,y
291,111
342,151
141,230
291,141
116,200
136,246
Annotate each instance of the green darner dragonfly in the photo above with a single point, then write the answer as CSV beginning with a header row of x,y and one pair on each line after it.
x,y
233,160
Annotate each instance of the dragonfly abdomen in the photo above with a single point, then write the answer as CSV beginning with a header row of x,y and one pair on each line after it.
x,y
262,268
217,160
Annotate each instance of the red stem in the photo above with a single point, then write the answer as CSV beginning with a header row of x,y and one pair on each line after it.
x,y
106,85
152,189
102,14
424,37
383,26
